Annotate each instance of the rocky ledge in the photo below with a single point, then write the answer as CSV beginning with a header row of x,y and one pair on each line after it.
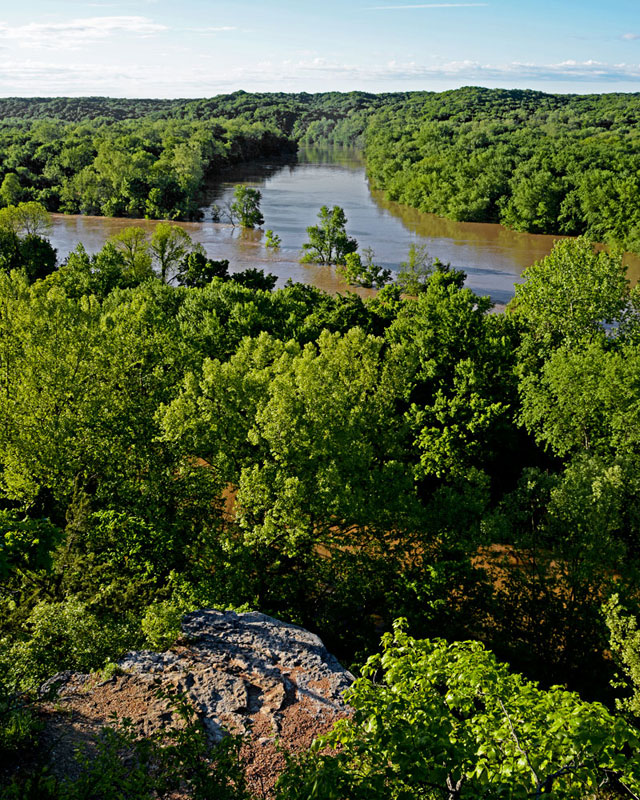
x,y
243,673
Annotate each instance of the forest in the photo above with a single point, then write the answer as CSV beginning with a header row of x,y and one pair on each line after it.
x,y
535,162
416,458
412,465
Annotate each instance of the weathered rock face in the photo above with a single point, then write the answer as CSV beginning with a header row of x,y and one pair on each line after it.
x,y
243,673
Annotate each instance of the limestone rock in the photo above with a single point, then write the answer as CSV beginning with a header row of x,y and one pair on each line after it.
x,y
243,673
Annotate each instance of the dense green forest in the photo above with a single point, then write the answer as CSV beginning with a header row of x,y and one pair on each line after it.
x,y
535,162
152,158
339,463
134,168
174,436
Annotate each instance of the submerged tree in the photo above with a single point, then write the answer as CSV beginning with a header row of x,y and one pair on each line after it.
x,y
416,270
246,206
272,240
359,271
328,242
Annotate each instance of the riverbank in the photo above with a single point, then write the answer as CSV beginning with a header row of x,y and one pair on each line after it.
x,y
492,256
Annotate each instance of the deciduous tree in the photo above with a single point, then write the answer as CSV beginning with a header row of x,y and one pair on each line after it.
x,y
328,242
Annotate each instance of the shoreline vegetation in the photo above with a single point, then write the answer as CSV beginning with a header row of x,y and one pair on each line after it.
x,y
535,162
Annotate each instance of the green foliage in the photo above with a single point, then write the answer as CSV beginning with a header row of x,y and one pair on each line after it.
x,y
25,544
571,294
169,246
57,636
196,270
98,274
336,462
584,399
19,725
31,254
459,404
366,274
132,243
437,720
128,166
625,646
246,206
22,242
414,273
26,219
38,258
328,242
255,279
272,240
161,625
543,163
560,164
565,536
10,190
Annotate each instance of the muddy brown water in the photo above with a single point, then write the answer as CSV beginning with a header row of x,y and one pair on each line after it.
x,y
293,191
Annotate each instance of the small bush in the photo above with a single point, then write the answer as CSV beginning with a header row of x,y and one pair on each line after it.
x,y
161,625
64,635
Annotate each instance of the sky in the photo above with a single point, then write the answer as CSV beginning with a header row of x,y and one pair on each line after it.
x,y
200,48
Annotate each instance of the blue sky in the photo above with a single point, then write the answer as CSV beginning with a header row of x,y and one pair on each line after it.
x,y
198,48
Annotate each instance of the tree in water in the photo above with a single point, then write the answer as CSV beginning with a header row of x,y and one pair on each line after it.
x,y
328,242
246,206
365,273
272,240
416,270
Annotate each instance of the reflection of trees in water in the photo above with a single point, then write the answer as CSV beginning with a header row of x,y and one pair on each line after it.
x,y
523,248
258,172
348,157
254,173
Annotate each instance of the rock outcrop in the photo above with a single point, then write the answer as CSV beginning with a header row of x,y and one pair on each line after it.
x,y
243,673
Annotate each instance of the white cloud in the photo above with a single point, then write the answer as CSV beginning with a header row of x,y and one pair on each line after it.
x,y
630,36
220,29
429,5
26,77
76,33
475,71
47,79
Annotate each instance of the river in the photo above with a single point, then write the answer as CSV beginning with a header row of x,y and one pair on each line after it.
x,y
292,193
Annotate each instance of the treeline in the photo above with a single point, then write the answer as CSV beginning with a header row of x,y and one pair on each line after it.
x,y
291,113
154,158
142,168
535,162
339,463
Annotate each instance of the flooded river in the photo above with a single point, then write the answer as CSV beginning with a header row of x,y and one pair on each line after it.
x,y
292,192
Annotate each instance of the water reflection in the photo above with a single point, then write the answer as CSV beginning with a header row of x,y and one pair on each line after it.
x,y
293,189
